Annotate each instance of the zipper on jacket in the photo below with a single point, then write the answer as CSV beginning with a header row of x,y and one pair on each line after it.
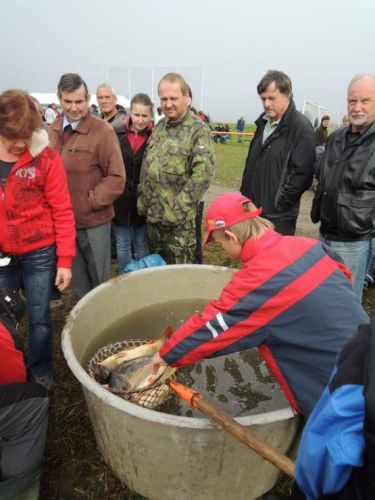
x,y
133,181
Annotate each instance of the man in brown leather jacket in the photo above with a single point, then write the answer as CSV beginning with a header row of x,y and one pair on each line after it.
x,y
96,175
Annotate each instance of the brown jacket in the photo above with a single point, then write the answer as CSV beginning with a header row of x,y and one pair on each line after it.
x,y
95,168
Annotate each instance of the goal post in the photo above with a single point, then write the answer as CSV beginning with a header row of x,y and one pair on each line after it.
x,y
315,111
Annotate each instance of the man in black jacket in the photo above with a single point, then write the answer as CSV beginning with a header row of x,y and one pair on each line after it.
x,y
344,201
280,163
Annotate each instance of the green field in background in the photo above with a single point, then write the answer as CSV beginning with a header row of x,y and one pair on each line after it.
x,y
230,160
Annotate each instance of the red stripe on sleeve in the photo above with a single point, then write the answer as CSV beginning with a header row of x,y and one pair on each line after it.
x,y
294,292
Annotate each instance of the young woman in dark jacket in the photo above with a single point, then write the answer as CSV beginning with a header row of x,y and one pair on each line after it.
x,y
129,226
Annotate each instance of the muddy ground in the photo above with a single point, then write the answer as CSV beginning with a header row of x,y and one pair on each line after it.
x,y
73,467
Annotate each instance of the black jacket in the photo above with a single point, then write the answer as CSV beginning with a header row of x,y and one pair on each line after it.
x,y
344,201
321,136
126,213
280,170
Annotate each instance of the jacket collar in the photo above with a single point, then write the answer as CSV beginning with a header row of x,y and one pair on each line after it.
x,y
252,247
181,120
369,130
341,133
39,142
284,120
83,126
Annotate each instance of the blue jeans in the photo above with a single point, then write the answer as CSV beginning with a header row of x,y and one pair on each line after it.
x,y
356,256
131,242
36,271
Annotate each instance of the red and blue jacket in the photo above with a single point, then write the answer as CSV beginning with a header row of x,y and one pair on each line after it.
x,y
293,300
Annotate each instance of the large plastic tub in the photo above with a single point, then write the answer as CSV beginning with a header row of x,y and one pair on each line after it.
x,y
162,456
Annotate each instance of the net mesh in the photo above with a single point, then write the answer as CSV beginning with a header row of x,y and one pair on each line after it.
x,y
150,398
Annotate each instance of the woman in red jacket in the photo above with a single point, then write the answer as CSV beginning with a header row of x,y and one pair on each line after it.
x,y
37,232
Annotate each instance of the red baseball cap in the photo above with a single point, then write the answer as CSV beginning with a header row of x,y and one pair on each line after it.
x,y
228,209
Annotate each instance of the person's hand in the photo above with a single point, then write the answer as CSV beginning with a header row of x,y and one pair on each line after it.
x,y
155,363
157,368
63,278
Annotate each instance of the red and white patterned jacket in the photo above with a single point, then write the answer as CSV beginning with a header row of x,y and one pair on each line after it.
x,y
35,206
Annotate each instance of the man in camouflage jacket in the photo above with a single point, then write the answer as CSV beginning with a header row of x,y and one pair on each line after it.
x,y
176,172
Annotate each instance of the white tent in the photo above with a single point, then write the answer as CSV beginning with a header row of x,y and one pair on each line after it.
x,y
45,99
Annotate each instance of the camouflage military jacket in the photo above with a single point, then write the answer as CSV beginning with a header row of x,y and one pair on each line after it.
x,y
176,171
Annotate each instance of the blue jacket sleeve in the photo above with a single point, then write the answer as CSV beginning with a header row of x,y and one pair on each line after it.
x,y
332,442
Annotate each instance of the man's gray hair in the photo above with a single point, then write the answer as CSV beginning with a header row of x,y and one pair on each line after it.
x,y
282,81
106,85
71,82
361,76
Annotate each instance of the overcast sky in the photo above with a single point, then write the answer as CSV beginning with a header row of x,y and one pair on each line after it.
x,y
221,46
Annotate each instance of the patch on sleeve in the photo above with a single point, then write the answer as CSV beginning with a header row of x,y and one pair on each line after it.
x,y
200,149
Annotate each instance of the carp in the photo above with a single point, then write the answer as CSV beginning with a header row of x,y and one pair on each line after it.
x,y
135,375
129,370
131,375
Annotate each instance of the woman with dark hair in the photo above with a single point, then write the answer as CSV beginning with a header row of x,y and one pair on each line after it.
x,y
36,222
129,226
321,133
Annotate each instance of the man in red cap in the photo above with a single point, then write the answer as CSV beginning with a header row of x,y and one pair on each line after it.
x,y
292,299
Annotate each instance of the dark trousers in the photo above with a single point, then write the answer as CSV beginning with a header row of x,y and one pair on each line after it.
x,y
176,244
92,263
23,430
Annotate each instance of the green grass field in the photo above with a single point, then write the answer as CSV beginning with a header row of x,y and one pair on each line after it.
x,y
230,159
230,162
